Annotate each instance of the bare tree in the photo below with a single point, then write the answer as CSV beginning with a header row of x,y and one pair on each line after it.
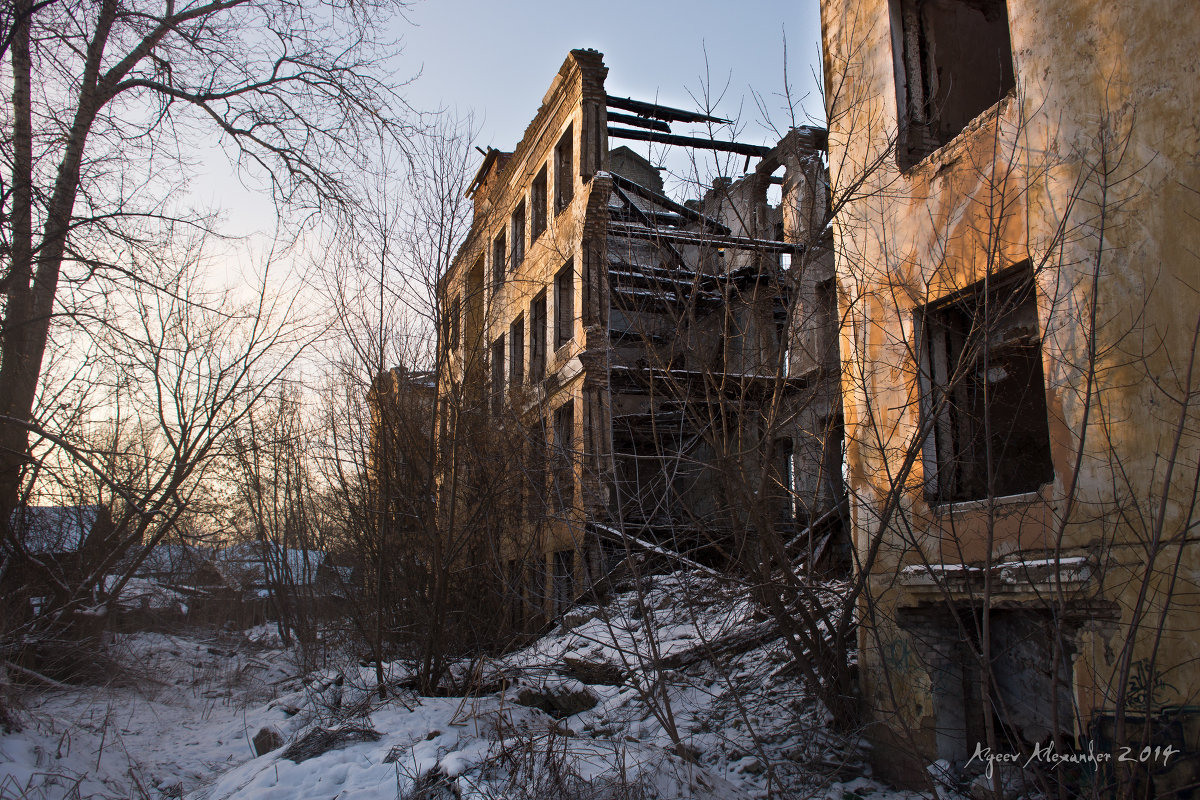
x,y
280,506
104,99
419,509
170,379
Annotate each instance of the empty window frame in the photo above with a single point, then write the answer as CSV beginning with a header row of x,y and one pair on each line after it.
x,y
783,479
953,62
564,305
455,318
537,337
512,592
499,251
1027,672
537,198
517,232
983,392
535,472
828,325
564,581
537,592
832,439
564,172
498,375
516,351
564,454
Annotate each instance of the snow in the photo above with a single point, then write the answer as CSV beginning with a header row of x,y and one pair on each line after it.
x,y
183,710
182,724
150,594
55,529
1066,569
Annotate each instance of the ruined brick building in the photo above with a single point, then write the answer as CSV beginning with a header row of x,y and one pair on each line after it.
x,y
668,368
1018,189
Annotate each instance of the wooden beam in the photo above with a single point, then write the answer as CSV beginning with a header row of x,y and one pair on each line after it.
x,y
688,213
640,122
690,141
656,111
675,236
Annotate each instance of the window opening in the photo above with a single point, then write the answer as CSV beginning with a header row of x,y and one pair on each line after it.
x,y
564,462
955,63
537,223
564,305
537,592
983,385
537,337
498,375
564,178
518,236
516,351
564,581
499,250
784,479
828,325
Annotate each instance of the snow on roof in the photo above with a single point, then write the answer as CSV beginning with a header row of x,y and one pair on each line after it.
x,y
54,529
301,565
171,558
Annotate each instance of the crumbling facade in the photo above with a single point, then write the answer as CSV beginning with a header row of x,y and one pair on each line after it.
x,y
1017,189
669,368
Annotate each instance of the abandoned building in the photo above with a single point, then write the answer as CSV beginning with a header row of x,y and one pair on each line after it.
x,y
669,368
1017,187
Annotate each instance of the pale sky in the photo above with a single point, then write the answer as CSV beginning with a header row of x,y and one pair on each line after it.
x,y
497,59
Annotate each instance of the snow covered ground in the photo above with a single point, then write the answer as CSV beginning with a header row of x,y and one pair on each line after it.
x,y
176,716
580,713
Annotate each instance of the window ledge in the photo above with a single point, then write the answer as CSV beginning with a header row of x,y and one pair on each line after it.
x,y
964,506
947,153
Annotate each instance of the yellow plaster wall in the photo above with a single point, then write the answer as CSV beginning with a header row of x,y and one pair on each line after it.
x,y
1090,170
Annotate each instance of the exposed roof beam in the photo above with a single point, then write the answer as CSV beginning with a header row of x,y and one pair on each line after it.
x,y
656,111
687,213
700,239
640,122
690,141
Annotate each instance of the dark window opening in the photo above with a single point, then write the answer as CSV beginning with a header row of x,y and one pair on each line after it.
x,y
984,392
955,63
611,555
829,323
564,177
1030,689
537,224
499,250
833,438
518,236
564,581
498,375
645,483
783,480
564,460
516,351
537,592
537,337
513,594
564,305
455,317
535,496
